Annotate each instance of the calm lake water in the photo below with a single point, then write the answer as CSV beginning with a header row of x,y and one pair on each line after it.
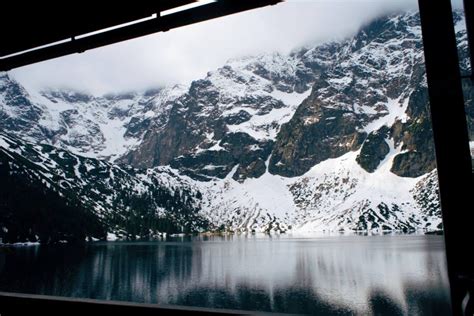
x,y
389,275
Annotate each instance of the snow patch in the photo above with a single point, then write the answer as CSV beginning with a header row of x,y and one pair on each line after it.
x,y
112,237
396,111
4,144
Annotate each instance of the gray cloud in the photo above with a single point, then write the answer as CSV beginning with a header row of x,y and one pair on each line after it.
x,y
189,52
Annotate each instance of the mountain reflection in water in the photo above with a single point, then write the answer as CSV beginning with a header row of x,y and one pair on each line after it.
x,y
389,275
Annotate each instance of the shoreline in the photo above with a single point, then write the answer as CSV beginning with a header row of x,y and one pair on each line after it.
x,y
164,237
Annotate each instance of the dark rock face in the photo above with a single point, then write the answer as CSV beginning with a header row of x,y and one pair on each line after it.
x,y
314,134
136,126
409,164
416,135
253,169
238,118
203,116
183,130
25,113
236,149
200,168
374,149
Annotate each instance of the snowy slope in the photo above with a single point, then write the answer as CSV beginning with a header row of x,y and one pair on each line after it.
x,y
334,195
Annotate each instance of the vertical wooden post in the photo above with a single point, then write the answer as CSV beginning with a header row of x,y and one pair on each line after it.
x,y
451,143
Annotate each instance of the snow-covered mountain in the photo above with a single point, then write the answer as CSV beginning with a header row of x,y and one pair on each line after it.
x,y
333,137
98,127
124,202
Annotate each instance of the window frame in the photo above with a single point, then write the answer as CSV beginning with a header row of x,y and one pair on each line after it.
x,y
452,155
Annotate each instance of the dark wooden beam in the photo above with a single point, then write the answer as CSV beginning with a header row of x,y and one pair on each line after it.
x,y
29,24
13,304
451,143
160,24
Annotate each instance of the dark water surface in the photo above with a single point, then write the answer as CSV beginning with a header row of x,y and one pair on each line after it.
x,y
389,275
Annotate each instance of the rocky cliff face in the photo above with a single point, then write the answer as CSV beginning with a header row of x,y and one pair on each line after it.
x,y
332,137
365,88
415,137
229,118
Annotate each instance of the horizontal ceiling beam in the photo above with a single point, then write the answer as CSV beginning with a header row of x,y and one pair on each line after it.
x,y
159,24
37,23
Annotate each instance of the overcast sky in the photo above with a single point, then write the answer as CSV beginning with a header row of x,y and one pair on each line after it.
x,y
187,53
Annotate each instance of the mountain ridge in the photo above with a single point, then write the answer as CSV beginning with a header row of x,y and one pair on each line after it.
x,y
331,138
